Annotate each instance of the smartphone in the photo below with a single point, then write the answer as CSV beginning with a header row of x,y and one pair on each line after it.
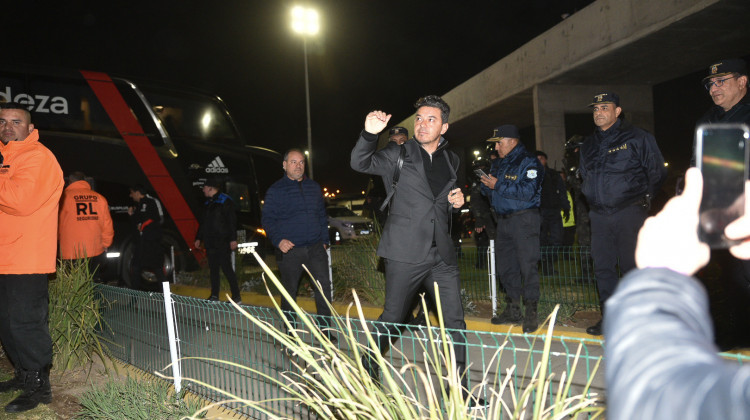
x,y
480,173
722,156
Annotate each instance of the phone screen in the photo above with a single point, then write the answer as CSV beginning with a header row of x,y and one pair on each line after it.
x,y
722,156
480,173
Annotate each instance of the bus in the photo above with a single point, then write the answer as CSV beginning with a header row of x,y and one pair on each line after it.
x,y
122,132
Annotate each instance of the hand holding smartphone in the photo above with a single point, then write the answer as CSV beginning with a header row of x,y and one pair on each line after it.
x,y
722,157
480,173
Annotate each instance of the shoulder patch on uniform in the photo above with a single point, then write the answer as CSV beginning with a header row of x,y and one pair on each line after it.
x,y
531,173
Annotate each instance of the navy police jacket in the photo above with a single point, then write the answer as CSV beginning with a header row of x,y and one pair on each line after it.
x,y
519,182
619,167
295,210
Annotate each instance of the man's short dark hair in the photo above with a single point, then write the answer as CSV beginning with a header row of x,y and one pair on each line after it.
x,y
540,153
434,101
294,149
139,188
16,105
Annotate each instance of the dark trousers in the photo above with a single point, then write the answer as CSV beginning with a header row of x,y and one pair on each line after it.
x,y
551,237
402,283
551,233
613,241
221,259
148,255
24,320
517,254
483,245
315,258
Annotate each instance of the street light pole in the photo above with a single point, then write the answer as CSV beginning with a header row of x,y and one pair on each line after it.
x,y
305,22
307,102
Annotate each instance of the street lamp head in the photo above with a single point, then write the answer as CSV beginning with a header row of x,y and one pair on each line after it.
x,y
305,20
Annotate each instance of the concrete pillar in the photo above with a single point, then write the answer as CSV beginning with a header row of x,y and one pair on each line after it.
x,y
552,102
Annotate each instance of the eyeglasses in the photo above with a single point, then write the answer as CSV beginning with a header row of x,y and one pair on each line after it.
x,y
718,83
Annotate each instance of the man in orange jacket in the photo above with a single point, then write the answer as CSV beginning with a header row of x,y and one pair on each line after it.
x,y
85,225
31,183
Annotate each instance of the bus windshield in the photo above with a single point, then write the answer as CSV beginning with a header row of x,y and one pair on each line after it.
x,y
193,117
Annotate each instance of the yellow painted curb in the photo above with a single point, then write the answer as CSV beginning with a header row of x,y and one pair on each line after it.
x,y
373,312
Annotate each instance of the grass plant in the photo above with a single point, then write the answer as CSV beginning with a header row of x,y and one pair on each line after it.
x,y
354,265
135,400
331,383
75,317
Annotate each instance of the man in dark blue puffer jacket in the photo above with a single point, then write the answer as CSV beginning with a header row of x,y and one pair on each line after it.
x,y
294,217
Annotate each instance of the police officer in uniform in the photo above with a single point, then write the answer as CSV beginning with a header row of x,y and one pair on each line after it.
x,y
726,83
622,168
514,186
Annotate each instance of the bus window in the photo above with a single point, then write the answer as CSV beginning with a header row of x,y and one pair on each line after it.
x,y
193,117
240,196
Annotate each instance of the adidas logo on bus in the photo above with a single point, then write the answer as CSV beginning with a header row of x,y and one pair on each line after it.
x,y
217,167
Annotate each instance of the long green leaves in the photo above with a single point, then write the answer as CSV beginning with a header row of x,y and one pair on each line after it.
x,y
74,316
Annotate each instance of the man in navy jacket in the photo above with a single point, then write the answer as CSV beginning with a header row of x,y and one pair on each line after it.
x,y
514,187
294,217
622,169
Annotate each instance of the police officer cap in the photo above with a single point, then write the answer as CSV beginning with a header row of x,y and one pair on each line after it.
x,y
213,181
398,130
726,67
505,131
605,98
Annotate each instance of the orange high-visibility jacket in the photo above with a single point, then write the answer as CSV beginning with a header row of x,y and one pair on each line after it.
x,y
85,225
31,183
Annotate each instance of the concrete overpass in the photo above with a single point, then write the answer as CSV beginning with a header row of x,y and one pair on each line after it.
x,y
626,46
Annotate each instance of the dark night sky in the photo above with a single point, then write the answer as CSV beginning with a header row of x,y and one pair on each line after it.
x,y
370,55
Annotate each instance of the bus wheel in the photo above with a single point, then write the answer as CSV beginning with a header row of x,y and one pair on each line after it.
x,y
180,258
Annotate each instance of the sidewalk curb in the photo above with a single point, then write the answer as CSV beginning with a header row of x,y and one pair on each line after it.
x,y
373,312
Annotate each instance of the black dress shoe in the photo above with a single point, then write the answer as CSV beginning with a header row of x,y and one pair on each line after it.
x,y
595,329
36,389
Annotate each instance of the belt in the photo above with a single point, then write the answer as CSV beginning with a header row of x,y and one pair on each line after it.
x,y
518,213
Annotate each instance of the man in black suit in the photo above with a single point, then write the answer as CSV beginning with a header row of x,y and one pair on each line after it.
x,y
416,241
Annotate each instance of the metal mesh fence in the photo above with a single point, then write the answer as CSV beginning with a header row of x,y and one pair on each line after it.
x,y
225,351
566,274
135,326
